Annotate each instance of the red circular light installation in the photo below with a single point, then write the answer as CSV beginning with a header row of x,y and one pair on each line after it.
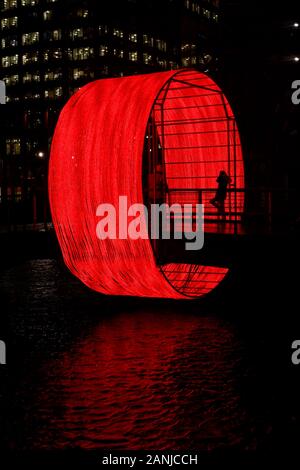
x,y
97,155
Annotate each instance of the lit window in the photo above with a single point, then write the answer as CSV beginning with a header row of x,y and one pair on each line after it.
x,y
133,56
118,33
9,22
118,53
12,80
13,146
47,15
31,77
29,3
54,93
103,51
30,38
82,13
80,53
77,73
161,45
7,4
52,54
147,58
10,41
76,33
133,37
32,96
148,40
32,145
188,48
80,73
30,58
8,61
103,29
5,61
206,13
57,54
54,35
51,75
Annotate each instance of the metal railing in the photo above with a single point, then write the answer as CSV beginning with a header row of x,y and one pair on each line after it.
x,y
247,209
244,210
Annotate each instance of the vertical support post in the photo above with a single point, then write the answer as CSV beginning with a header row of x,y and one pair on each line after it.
x,y
34,210
228,163
45,213
235,178
270,209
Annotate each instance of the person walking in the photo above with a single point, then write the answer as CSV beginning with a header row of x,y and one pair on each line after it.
x,y
218,201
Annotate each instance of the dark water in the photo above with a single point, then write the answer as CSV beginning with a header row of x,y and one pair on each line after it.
x,y
90,372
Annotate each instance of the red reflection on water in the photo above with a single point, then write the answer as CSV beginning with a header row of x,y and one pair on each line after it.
x,y
142,381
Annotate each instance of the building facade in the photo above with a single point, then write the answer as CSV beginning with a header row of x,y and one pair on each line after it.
x,y
50,48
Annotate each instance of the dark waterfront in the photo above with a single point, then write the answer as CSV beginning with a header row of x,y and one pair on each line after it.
x,y
92,372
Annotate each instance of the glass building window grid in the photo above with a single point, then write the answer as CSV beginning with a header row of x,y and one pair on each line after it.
x,y
117,52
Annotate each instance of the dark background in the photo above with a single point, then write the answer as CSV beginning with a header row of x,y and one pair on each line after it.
x,y
251,52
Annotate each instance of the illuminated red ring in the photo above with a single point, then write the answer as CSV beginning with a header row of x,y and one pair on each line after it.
x,y
96,156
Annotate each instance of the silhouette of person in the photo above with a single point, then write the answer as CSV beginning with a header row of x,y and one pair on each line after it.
x,y
218,201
